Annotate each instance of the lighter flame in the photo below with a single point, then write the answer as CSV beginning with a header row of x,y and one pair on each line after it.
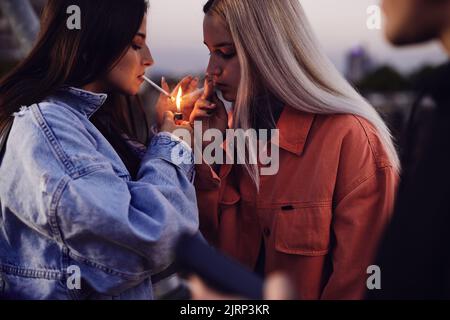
x,y
179,99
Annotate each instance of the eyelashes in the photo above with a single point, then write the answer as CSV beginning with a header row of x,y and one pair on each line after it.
x,y
136,47
226,56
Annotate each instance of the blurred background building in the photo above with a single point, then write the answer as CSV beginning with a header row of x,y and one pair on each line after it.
x,y
389,90
359,64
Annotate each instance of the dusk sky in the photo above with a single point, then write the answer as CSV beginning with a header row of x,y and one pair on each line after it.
x,y
176,36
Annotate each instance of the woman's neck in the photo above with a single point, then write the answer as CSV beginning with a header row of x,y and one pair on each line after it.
x,y
445,40
445,34
95,87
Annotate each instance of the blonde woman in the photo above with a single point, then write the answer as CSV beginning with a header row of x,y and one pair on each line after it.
x,y
320,218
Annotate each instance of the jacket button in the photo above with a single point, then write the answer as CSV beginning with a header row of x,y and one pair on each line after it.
x,y
266,232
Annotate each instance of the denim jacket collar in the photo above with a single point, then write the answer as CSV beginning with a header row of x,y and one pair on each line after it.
x,y
84,101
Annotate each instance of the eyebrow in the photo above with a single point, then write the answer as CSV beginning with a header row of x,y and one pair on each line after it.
x,y
143,35
222,44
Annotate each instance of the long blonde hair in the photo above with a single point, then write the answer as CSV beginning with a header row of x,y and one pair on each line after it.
x,y
275,44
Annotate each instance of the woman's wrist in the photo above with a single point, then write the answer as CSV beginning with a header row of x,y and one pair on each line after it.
x,y
167,146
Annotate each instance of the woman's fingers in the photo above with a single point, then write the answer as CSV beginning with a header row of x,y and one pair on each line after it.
x,y
200,291
193,85
188,85
182,130
199,115
189,98
278,286
202,110
183,84
204,104
164,84
168,123
163,104
209,88
208,106
168,118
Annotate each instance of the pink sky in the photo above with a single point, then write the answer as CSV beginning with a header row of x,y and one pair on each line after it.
x,y
176,37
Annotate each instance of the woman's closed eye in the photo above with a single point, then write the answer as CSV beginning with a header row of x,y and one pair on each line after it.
x,y
136,47
224,55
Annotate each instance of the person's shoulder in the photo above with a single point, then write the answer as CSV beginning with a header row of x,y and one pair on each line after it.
x,y
356,135
28,144
55,130
57,113
344,124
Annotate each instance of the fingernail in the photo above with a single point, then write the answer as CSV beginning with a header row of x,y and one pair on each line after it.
x,y
163,79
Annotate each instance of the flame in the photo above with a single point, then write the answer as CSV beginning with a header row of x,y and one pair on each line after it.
x,y
178,100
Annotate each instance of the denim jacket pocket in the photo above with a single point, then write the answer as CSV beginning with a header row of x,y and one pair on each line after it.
x,y
303,230
230,196
228,204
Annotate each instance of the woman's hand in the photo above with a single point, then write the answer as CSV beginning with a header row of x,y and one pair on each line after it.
x,y
277,287
188,85
182,130
210,110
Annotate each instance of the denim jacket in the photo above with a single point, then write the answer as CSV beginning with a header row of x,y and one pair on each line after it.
x,y
73,224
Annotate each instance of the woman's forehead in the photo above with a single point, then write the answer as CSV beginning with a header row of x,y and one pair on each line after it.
x,y
215,31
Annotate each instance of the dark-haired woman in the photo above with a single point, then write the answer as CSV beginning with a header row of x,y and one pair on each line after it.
x,y
73,223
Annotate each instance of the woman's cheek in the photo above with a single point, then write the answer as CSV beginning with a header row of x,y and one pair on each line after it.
x,y
235,68
123,75
235,75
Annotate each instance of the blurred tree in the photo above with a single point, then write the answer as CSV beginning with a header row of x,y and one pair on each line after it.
x,y
384,79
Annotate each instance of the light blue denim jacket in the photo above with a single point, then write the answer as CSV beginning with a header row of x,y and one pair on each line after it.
x,y
67,204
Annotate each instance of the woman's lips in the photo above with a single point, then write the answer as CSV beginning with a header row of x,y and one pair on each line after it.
x,y
220,86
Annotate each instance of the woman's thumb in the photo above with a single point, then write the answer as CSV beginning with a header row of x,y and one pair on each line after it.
x,y
168,116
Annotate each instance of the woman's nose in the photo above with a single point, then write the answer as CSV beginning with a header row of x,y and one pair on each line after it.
x,y
214,69
148,59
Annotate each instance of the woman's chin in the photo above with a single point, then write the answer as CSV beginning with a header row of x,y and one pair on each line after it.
x,y
131,91
228,96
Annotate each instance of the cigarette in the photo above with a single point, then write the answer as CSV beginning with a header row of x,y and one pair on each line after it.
x,y
154,85
194,93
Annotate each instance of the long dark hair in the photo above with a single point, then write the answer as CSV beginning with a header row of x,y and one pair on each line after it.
x,y
122,121
208,5
71,57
